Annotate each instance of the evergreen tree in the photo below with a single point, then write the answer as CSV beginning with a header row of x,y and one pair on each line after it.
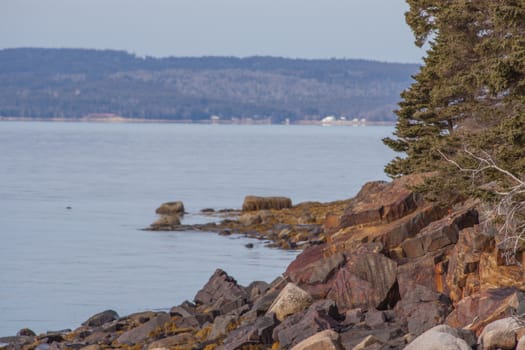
x,y
471,81
464,116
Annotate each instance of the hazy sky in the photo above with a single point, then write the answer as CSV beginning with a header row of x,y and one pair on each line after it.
x,y
371,29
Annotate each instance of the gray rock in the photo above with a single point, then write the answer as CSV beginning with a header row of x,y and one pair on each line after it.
x,y
260,332
375,318
26,332
101,318
257,289
326,268
367,343
320,316
500,334
354,316
220,326
173,341
220,290
140,333
441,337
17,342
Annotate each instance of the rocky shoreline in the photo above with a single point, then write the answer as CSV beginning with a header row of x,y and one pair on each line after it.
x,y
384,270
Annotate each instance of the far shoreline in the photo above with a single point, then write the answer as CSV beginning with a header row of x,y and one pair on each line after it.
x,y
237,121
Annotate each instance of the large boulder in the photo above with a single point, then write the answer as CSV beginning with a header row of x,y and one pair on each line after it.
x,y
171,208
500,334
290,300
311,266
101,318
252,203
478,310
440,338
367,280
222,293
422,304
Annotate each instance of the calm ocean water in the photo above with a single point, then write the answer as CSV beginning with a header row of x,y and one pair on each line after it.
x,y
60,266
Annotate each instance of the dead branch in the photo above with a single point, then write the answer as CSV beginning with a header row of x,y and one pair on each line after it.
x,y
510,207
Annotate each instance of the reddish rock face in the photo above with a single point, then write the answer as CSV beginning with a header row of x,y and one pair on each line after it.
x,y
381,202
367,281
462,277
312,267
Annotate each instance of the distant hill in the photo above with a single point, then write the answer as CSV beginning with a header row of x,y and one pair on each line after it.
x,y
74,83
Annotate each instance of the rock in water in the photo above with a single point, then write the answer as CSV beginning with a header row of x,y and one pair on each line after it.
x,y
165,222
252,203
171,208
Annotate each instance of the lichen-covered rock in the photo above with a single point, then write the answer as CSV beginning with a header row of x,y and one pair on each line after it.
x,y
252,203
290,300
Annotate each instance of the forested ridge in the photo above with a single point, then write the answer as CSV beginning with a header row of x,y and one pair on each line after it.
x,y
73,83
